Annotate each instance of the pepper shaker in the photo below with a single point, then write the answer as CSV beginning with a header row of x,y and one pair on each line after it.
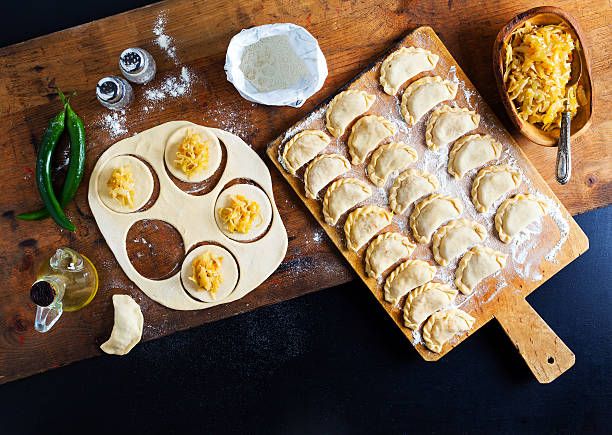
x,y
114,92
137,65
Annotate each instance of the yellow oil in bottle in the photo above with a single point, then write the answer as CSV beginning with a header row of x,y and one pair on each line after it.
x,y
81,285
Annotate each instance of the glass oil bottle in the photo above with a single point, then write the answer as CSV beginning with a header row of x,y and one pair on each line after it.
x,y
67,281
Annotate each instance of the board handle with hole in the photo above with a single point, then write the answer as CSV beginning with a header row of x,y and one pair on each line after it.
x,y
543,351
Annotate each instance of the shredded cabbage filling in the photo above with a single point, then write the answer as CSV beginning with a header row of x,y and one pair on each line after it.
x,y
192,154
121,186
537,70
207,273
240,215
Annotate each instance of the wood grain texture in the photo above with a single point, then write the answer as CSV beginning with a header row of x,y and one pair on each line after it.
x,y
483,303
351,35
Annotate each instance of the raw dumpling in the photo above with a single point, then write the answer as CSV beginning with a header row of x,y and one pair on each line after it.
x,y
366,134
407,276
492,183
477,263
388,158
127,330
426,300
363,224
422,95
384,251
441,326
432,212
409,186
516,213
345,107
454,238
470,152
341,196
303,147
322,170
403,64
447,124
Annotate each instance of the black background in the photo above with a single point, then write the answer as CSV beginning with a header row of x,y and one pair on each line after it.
x,y
328,362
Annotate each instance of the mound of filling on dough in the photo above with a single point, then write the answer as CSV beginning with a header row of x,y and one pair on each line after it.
x,y
121,186
207,272
192,154
240,215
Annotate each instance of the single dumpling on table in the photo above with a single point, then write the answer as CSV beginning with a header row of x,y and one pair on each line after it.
x,y
367,133
516,213
409,186
443,325
432,212
478,263
471,152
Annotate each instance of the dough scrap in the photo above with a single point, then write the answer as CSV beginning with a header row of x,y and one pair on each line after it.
x,y
407,276
127,329
477,263
516,213
403,64
409,186
492,183
388,158
470,152
345,107
426,300
342,195
366,134
447,124
384,251
432,212
443,325
422,95
143,183
363,224
214,153
322,171
302,148
454,238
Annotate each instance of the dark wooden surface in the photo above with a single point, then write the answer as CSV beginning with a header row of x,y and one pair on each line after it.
x,y
351,35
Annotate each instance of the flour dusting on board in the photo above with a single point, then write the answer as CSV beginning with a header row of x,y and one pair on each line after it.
x,y
152,96
540,241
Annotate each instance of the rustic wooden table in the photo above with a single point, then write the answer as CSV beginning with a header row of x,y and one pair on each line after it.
x,y
351,35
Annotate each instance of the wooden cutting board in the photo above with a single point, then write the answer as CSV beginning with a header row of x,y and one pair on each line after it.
x,y
351,36
502,296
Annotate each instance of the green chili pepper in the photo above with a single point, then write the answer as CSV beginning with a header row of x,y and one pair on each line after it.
x,y
76,167
43,169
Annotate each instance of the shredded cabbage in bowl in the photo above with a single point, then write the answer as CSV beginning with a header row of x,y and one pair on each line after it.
x,y
537,70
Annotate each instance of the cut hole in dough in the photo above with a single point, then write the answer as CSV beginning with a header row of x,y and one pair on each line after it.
x,y
228,270
214,153
143,183
155,248
261,221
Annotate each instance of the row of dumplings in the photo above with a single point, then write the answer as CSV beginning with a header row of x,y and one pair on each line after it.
x,y
412,277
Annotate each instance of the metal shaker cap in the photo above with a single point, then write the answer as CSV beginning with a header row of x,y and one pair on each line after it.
x,y
110,89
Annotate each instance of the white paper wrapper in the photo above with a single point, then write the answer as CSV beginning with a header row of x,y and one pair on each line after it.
x,y
305,46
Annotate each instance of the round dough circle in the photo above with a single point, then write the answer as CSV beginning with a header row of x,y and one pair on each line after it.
x,y
252,193
229,273
143,179
214,153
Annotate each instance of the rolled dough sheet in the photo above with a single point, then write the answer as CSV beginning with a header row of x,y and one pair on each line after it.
x,y
192,216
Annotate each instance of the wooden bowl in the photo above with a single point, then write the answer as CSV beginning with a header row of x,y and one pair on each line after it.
x,y
542,16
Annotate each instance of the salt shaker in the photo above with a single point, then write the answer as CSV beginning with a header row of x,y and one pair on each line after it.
x,y
137,65
114,92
